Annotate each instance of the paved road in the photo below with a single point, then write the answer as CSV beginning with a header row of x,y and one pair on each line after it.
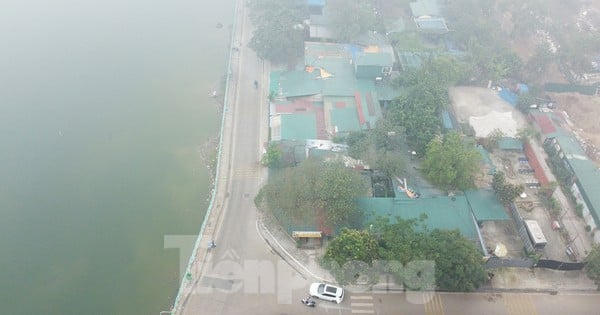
x,y
242,275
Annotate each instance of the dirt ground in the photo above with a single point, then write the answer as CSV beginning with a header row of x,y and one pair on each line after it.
x,y
529,207
584,113
471,101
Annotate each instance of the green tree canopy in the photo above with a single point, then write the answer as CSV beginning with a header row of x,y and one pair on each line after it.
x,y
418,110
506,192
351,19
459,265
272,158
592,266
450,163
399,245
299,192
379,147
279,29
352,245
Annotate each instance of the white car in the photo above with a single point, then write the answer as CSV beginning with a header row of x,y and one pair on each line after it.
x,y
326,292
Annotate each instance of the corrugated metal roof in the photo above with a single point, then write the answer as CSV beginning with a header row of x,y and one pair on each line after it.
x,y
425,7
485,205
586,172
383,59
543,121
508,143
435,24
588,176
299,126
297,83
345,119
442,212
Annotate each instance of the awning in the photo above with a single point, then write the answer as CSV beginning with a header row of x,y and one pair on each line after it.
x,y
299,234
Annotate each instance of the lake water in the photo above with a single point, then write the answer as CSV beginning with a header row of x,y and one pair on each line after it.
x,y
104,108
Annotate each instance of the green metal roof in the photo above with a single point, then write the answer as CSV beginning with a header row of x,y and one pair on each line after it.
x,y
346,119
298,126
485,205
432,24
377,59
442,212
586,172
588,178
425,7
508,143
568,144
297,83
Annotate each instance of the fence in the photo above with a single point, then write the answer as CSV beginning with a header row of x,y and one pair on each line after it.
x,y
563,88
559,265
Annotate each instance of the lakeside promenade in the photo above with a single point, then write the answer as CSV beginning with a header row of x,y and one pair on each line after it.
x,y
238,86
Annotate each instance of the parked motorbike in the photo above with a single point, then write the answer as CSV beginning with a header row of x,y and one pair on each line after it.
x,y
309,301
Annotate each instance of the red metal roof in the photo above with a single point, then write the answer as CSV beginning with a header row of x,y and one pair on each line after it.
x,y
545,123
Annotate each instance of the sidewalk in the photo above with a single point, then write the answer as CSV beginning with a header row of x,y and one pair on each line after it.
x,y
304,261
539,280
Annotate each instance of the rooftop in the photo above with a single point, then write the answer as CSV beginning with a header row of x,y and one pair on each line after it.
x,y
425,8
442,212
485,205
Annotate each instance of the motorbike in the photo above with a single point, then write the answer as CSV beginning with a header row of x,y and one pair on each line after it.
x,y
309,301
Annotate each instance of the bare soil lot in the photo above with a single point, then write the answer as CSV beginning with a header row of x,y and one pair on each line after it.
x,y
584,113
470,101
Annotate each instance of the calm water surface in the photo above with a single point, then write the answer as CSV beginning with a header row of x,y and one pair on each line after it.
x,y
104,105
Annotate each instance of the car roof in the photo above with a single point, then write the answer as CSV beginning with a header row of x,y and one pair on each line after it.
x,y
331,289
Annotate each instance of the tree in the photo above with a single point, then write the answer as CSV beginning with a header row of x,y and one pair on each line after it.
x,y
450,163
337,188
505,192
297,193
592,264
351,19
525,101
537,64
279,29
458,264
390,163
360,145
272,158
418,110
352,245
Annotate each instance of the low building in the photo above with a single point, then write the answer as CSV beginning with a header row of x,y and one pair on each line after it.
x,y
427,16
337,91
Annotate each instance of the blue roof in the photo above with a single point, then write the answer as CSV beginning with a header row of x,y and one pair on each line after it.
x,y
446,120
508,96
